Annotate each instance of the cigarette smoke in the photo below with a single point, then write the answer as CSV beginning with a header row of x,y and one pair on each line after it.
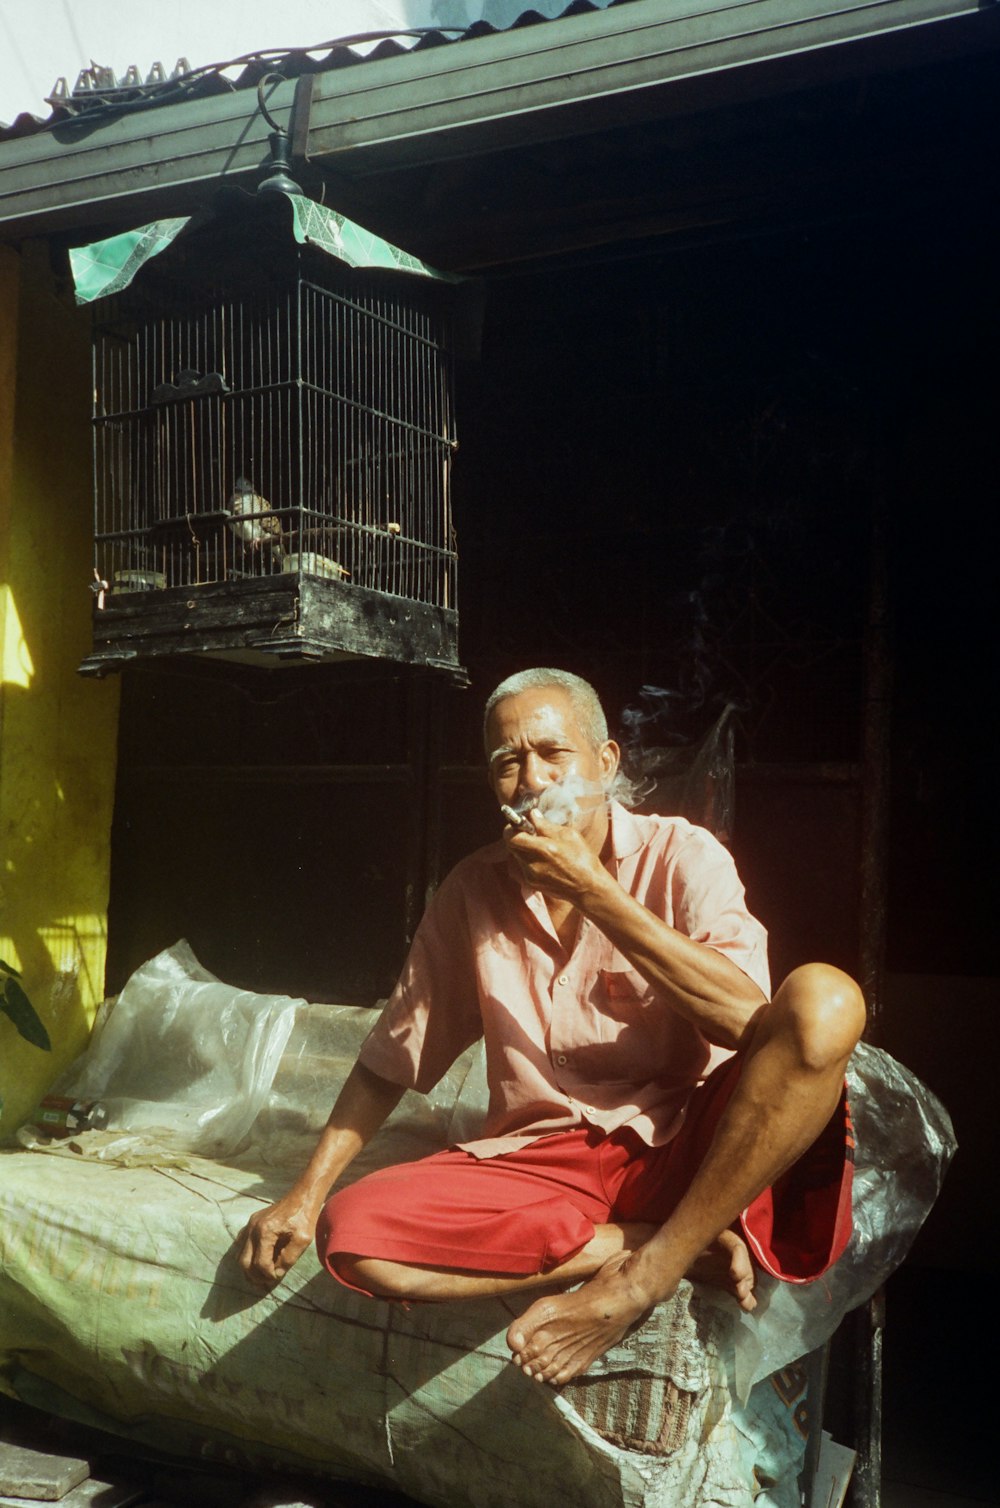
x,y
561,802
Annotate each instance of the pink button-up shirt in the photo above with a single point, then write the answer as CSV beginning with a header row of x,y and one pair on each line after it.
x,y
569,1040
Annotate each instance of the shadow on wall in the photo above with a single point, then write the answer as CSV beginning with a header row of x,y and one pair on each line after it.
x,y
51,930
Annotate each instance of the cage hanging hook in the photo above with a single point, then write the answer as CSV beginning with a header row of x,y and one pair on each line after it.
x,y
278,177
262,106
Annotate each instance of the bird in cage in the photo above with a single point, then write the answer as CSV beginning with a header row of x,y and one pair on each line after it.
x,y
260,533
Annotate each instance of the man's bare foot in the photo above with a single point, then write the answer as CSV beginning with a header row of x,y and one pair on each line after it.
x,y
726,1264
559,1337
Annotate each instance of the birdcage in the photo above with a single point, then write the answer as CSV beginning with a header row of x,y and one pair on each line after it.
x,y
273,444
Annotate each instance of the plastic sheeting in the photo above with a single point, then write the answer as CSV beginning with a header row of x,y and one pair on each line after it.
x,y
182,1063
108,266
120,1307
905,1142
696,779
351,243
120,1303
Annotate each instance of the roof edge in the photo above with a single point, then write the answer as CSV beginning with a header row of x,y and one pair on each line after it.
x,y
588,72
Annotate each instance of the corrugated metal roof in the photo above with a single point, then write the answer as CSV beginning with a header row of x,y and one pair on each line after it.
x,y
97,94
440,136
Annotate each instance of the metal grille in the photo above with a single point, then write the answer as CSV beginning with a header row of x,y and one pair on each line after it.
x,y
302,425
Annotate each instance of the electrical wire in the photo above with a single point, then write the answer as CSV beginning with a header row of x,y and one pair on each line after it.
x,y
91,105
15,52
68,13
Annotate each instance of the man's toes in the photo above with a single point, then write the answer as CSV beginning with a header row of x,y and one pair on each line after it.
x,y
532,1352
536,1364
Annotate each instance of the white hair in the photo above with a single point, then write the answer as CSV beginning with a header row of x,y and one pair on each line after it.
x,y
583,698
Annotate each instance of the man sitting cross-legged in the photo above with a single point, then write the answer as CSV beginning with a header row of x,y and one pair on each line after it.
x,y
652,1113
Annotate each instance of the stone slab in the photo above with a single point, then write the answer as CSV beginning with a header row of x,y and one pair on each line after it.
x,y
38,1476
91,1493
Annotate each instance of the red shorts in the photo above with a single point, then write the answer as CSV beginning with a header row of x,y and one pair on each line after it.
x,y
527,1211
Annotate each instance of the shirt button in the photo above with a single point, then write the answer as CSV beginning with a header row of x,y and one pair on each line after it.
x,y
590,1109
561,979
561,1059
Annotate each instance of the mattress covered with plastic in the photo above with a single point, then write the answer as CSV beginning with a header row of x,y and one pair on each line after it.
x,y
121,1304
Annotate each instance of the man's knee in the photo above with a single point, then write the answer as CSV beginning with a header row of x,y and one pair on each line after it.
x,y
334,1230
360,1209
823,1009
371,1275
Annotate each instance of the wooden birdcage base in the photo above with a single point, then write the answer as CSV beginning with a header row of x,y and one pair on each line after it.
x,y
276,620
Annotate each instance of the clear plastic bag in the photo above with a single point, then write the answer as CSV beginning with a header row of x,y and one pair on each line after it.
x,y
904,1144
321,1050
181,1062
692,780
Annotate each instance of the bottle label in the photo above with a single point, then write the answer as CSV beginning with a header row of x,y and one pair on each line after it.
x,y
58,1115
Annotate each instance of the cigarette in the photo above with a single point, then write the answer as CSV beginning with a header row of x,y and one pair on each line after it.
x,y
516,819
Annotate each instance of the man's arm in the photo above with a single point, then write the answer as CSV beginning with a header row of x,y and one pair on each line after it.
x,y
702,985
274,1238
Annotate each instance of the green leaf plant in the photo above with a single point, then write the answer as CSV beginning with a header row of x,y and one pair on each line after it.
x,y
15,1004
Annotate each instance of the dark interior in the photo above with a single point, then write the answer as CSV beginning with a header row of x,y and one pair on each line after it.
x,y
672,471
705,462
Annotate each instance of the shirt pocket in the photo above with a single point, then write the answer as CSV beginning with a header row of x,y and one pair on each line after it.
x,y
623,1046
622,993
639,1039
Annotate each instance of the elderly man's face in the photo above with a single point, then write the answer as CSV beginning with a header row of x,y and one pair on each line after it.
x,y
535,741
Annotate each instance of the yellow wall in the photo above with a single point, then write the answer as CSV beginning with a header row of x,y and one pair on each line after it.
x,y
57,730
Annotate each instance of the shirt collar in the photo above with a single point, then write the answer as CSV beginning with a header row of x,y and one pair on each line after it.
x,y
626,834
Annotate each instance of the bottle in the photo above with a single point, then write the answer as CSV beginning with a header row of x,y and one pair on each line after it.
x,y
59,1115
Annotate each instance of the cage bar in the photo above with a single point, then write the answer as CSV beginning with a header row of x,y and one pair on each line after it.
x,y
264,417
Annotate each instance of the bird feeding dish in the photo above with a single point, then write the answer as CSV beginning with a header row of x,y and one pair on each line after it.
x,y
315,565
273,443
139,581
